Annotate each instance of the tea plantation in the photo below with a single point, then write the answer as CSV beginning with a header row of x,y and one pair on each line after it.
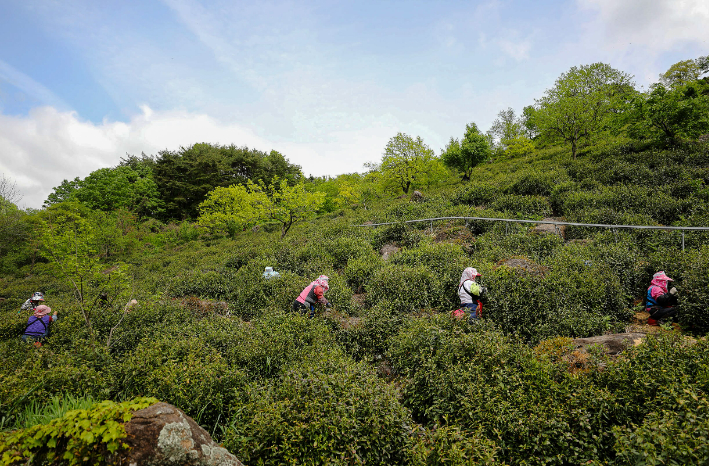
x,y
387,376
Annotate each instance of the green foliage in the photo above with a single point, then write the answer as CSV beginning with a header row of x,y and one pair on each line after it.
x,y
667,436
580,104
327,410
408,162
464,156
476,194
668,114
79,437
450,445
185,372
184,177
523,206
684,72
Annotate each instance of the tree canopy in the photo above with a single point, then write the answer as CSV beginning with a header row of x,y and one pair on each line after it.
x,y
408,161
465,155
581,102
237,207
184,177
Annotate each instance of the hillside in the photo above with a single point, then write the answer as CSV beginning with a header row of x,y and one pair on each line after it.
x,y
387,376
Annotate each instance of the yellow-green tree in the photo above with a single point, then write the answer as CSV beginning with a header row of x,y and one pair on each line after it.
x,y
233,209
238,207
70,240
408,162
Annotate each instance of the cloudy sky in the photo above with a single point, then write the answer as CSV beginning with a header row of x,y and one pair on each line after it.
x,y
326,83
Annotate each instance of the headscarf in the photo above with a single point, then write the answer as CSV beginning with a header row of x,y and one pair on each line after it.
x,y
323,281
660,279
469,273
42,310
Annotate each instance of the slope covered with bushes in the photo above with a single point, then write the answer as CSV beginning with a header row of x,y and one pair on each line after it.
x,y
388,377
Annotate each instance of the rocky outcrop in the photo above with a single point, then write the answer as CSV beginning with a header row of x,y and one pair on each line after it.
x,y
163,435
613,344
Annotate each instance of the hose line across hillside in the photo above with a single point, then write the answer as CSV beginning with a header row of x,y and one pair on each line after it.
x,y
548,222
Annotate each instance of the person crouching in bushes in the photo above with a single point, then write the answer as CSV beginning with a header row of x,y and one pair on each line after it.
x,y
470,293
32,303
661,303
38,324
312,294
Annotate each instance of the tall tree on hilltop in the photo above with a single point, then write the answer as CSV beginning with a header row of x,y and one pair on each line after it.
x,y
465,155
408,161
581,103
184,177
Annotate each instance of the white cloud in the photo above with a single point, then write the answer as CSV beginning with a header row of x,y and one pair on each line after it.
x,y
41,150
658,25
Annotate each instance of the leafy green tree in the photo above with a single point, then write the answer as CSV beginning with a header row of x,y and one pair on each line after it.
x,y
684,72
669,114
290,204
580,105
464,156
408,162
237,207
69,239
63,192
184,177
506,126
233,209
128,186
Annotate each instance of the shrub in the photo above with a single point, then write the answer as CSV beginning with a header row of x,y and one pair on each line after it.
x,y
326,410
450,445
359,271
410,289
185,372
535,183
476,194
399,233
523,206
79,437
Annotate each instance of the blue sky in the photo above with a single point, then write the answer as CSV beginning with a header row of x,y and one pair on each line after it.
x,y
82,82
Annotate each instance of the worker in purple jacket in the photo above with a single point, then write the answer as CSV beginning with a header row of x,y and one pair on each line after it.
x,y
38,324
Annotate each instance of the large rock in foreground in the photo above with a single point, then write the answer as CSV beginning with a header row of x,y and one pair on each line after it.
x,y
162,434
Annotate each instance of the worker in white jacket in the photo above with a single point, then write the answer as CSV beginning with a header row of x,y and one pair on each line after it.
x,y
470,293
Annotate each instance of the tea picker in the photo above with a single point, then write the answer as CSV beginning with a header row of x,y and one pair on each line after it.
x,y
39,323
32,303
470,291
311,295
661,303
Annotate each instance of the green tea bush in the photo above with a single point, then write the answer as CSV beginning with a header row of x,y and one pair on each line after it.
x,y
476,194
274,341
572,298
185,372
536,182
80,436
400,234
523,206
251,293
204,284
689,269
343,250
360,269
368,338
410,289
325,410
444,445
667,436
485,380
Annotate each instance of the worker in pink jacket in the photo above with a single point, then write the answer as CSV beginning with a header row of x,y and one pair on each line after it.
x,y
661,303
312,294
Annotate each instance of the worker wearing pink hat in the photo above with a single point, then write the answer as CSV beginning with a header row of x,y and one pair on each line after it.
x,y
661,303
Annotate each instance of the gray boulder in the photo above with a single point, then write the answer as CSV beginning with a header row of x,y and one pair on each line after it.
x,y
162,435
